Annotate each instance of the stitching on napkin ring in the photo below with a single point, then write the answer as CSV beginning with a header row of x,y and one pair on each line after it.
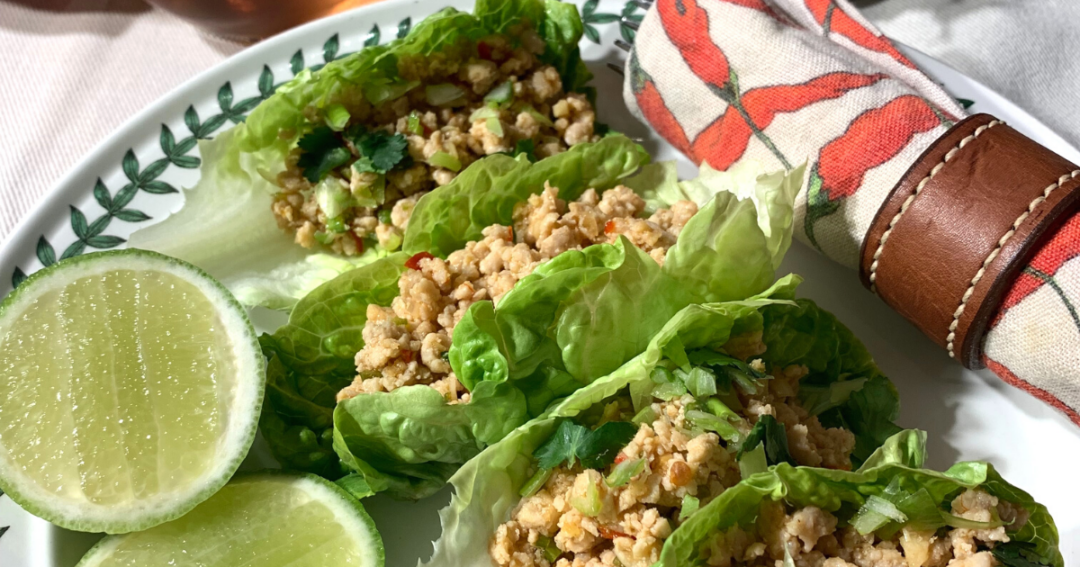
x,y
950,339
911,198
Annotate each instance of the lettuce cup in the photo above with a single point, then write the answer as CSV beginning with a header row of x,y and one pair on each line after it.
x,y
519,283
325,172
889,512
722,392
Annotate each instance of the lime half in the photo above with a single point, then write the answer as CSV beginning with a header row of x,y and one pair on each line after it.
x,y
131,386
262,519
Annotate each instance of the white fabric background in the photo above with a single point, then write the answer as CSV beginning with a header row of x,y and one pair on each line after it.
x,y
75,70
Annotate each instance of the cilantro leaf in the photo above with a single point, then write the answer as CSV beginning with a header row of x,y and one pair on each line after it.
x,y
603,444
382,149
728,370
527,147
595,449
770,432
322,152
1017,554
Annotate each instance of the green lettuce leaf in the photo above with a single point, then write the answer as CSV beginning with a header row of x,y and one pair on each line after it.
x,y
316,350
578,317
586,313
452,215
895,465
311,359
844,386
225,225
488,486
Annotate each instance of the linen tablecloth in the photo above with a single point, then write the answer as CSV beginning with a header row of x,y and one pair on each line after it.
x,y
75,70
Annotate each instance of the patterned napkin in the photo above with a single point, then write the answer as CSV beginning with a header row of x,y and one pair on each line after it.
x,y
792,81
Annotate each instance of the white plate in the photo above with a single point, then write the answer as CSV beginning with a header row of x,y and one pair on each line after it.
x,y
969,415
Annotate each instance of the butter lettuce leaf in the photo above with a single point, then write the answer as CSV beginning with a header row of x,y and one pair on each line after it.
x,y
311,359
895,466
226,226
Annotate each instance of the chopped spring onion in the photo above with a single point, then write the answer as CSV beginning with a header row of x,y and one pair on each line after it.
x,y
483,113
379,92
385,216
710,422
646,415
323,238
662,375
535,483
624,471
668,392
494,126
721,410
589,504
547,545
536,115
445,160
884,507
958,522
413,124
337,117
690,505
701,382
875,513
335,224
333,197
500,94
753,462
443,94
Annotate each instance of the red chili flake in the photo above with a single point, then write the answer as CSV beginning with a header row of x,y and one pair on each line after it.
x,y
427,129
359,242
609,227
511,229
407,355
414,262
608,533
620,458
484,50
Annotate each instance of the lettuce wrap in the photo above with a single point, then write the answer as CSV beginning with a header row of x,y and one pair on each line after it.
x,y
696,377
226,225
966,515
408,441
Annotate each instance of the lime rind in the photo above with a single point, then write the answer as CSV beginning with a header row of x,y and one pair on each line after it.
x,y
243,414
348,511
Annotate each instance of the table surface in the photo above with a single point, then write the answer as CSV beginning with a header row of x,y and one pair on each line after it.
x,y
75,70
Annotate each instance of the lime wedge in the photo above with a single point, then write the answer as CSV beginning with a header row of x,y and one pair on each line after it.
x,y
131,386
263,519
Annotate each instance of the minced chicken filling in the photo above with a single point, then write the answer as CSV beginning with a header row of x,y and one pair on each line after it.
x,y
535,116
813,539
634,519
405,343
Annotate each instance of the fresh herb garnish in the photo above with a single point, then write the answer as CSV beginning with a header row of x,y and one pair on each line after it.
x,y
386,218
527,148
383,149
323,151
729,370
770,432
547,545
624,471
1018,554
595,449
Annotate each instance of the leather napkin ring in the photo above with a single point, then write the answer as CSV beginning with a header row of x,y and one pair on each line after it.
x,y
960,226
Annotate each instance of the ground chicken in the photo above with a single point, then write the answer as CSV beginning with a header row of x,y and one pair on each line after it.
x,y
680,462
539,111
405,343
